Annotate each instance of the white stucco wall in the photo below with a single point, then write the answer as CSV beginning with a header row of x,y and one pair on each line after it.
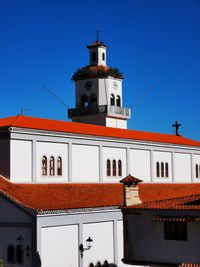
x,y
116,123
103,245
140,164
114,153
120,245
59,246
21,161
196,160
182,167
56,150
85,163
165,157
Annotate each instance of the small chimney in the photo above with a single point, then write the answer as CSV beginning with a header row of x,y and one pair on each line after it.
x,y
131,190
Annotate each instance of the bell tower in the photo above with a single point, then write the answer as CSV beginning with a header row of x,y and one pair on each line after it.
x,y
99,92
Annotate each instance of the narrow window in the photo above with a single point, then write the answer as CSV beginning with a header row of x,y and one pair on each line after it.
x,y
119,168
108,168
103,56
93,99
52,166
118,101
10,254
157,169
197,170
94,56
59,166
112,100
166,169
162,169
44,165
19,254
84,101
114,168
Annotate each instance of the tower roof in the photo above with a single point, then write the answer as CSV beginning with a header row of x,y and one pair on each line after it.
x,y
97,43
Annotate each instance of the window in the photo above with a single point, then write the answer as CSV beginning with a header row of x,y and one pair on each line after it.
x,y
84,101
166,170
119,168
103,56
19,254
197,171
157,169
112,100
10,254
59,166
94,56
93,99
175,230
118,101
162,169
108,169
44,165
114,168
52,166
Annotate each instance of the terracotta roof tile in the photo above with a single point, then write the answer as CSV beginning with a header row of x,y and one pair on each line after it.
x,y
93,130
189,265
169,197
62,196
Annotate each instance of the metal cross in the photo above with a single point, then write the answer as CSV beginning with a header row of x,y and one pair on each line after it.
x,y
97,32
177,125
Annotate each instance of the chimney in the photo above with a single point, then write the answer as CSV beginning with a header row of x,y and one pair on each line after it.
x,y
131,190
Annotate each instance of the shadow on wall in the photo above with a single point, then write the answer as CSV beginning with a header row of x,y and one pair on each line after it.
x,y
105,264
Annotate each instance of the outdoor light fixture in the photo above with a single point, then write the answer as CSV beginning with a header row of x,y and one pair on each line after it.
x,y
20,239
88,245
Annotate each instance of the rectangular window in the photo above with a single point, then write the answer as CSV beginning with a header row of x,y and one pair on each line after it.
x,y
175,230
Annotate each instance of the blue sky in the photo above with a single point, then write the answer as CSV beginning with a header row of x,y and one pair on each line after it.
x,y
153,43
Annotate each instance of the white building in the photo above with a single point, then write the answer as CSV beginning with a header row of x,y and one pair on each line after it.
x,y
59,180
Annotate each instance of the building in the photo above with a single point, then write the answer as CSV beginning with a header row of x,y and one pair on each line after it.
x,y
161,224
59,180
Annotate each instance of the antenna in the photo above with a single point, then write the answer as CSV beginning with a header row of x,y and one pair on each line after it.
x,y
142,96
54,95
23,111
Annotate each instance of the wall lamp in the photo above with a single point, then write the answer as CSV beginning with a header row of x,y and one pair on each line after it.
x,y
88,246
20,239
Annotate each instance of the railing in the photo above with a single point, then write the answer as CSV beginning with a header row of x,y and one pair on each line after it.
x,y
112,111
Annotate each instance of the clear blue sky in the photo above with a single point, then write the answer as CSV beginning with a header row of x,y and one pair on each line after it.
x,y
152,42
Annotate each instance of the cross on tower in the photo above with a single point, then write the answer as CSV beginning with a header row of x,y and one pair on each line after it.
x,y
97,32
177,125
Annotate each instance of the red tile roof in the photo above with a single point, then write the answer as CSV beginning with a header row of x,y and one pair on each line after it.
x,y
189,265
168,197
62,196
93,130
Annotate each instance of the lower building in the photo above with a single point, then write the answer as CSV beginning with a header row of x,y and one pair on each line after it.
x,y
162,225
